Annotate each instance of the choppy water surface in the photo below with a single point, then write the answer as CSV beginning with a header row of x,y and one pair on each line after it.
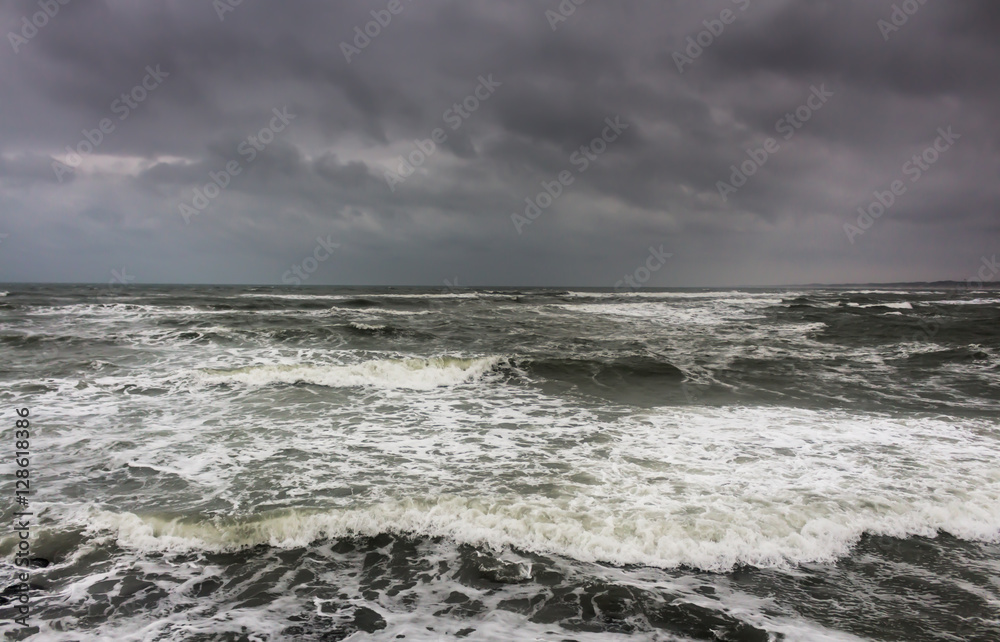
x,y
322,464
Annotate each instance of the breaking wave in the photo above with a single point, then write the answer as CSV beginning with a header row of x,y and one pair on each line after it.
x,y
409,374
776,539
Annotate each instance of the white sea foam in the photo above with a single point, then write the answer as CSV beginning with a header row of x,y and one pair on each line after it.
x,y
436,295
644,537
371,311
372,295
714,294
367,327
664,312
292,297
410,374
900,305
413,611
977,301
708,488
891,292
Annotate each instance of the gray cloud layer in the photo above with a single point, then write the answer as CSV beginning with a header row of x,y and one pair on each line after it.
x,y
323,176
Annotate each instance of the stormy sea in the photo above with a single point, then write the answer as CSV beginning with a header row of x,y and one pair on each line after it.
x,y
254,463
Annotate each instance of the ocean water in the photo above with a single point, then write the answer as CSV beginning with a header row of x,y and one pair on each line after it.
x,y
224,463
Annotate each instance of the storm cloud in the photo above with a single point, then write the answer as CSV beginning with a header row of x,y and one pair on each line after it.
x,y
220,142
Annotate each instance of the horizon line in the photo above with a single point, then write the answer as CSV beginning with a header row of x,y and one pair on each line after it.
x,y
939,283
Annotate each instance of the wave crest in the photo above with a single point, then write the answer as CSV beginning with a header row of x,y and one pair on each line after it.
x,y
636,539
409,374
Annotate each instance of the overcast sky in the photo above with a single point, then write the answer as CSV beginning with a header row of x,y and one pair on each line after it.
x,y
126,203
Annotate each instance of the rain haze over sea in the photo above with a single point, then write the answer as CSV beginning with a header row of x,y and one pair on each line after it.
x,y
566,320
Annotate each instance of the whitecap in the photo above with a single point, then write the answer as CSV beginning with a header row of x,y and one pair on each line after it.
x,y
409,374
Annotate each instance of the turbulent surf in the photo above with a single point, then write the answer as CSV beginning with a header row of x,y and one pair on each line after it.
x,y
343,463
